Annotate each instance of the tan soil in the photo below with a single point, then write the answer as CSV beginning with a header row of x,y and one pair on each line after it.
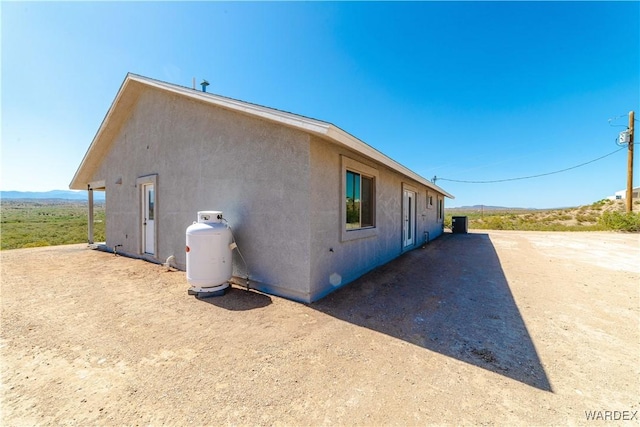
x,y
507,328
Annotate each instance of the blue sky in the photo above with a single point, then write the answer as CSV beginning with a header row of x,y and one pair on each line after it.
x,y
467,91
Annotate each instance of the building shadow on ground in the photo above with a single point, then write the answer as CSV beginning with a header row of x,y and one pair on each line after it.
x,y
239,300
450,297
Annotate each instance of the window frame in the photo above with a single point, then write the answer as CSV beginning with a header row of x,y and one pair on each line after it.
x,y
356,167
366,199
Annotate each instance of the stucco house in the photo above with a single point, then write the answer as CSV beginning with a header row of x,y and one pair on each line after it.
x,y
311,206
622,194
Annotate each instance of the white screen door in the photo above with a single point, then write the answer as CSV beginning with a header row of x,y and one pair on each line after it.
x,y
409,218
148,223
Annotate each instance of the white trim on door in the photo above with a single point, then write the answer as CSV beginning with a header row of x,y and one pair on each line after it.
x,y
148,219
408,217
148,224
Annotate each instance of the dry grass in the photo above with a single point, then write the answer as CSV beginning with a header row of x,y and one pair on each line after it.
x,y
50,222
599,216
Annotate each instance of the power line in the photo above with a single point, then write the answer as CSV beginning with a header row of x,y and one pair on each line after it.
x,y
530,176
613,119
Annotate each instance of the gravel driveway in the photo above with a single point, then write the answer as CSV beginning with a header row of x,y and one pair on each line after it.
x,y
509,328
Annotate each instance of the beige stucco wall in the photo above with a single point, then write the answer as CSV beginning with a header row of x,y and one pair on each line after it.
x,y
279,189
207,158
337,261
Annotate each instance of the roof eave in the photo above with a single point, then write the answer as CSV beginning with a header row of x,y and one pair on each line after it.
x,y
80,180
112,122
350,141
289,119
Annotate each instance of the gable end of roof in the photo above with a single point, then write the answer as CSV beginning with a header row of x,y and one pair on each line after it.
x,y
134,84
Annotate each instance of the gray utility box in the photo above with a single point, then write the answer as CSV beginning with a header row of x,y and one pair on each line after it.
x,y
459,224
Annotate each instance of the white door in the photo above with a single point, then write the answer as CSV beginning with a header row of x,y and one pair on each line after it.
x,y
148,223
409,218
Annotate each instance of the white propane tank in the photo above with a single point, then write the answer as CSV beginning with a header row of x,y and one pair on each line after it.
x,y
209,256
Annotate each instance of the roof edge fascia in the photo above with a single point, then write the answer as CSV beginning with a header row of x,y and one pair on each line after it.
x,y
317,127
290,119
105,121
350,141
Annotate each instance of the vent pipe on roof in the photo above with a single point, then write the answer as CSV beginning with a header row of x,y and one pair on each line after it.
x,y
204,85
194,83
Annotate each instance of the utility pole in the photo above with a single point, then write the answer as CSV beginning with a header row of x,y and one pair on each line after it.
x,y
630,165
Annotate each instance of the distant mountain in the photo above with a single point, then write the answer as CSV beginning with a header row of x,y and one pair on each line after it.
x,y
54,194
486,208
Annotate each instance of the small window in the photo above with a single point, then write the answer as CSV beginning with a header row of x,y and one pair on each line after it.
x,y
359,201
440,209
429,201
151,204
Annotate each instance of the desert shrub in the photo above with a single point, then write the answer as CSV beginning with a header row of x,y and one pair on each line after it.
x,y
586,217
628,221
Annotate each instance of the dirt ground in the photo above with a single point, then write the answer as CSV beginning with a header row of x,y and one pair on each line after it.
x,y
507,328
